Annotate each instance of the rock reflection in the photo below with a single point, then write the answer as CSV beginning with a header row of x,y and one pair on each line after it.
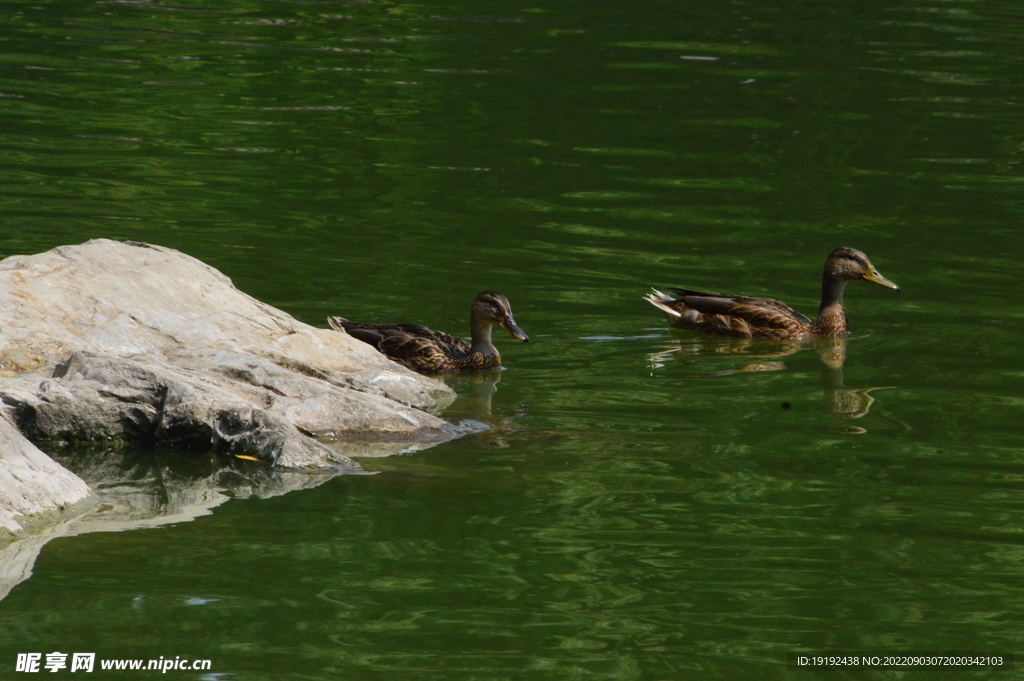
x,y
134,489
839,400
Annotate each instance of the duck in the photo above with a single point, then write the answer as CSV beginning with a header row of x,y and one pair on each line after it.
x,y
427,351
745,317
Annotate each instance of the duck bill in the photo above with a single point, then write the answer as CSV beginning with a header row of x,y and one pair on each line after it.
x,y
875,278
513,330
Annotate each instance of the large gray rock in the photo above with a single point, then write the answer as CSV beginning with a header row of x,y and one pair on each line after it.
x,y
146,344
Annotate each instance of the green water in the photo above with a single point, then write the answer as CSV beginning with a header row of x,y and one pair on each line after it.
x,y
645,504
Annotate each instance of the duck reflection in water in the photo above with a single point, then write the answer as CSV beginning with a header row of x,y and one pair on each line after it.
x,y
473,409
839,400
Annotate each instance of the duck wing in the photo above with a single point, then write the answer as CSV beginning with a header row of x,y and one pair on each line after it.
x,y
376,334
716,303
741,316
416,353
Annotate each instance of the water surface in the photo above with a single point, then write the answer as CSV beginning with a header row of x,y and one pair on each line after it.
x,y
645,504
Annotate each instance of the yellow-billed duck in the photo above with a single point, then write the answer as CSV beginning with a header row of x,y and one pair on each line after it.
x,y
428,351
745,317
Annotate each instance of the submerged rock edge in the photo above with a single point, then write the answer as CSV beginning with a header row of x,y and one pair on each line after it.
x,y
34,489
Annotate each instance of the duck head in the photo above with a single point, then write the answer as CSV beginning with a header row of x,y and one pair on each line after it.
x,y
848,264
493,308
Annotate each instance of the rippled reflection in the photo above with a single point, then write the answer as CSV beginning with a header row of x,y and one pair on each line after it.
x,y
839,400
473,409
135,490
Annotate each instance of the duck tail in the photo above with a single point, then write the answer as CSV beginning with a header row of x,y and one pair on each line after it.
x,y
660,300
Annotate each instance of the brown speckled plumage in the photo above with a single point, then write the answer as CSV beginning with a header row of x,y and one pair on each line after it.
x,y
428,351
747,317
